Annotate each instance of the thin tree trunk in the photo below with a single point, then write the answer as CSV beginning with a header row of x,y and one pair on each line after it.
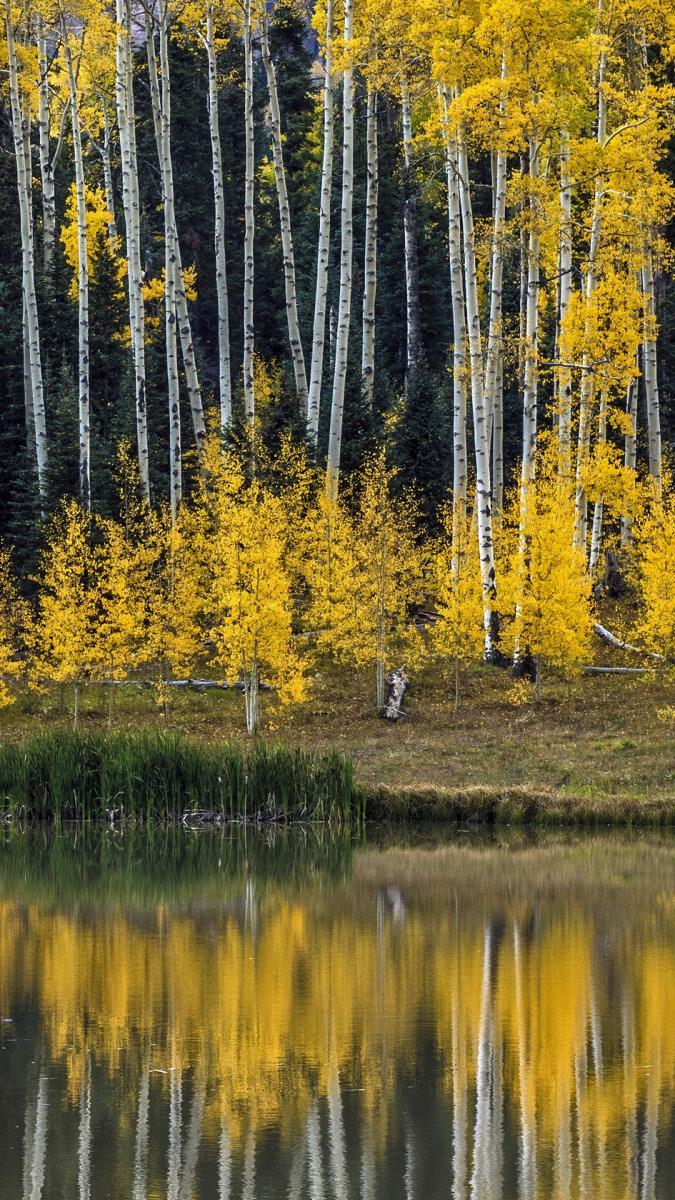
x,y
249,223
21,121
27,386
82,272
161,107
46,163
84,1141
321,297
598,512
346,255
126,121
498,444
459,370
522,319
530,365
284,223
650,370
630,449
483,497
224,361
495,327
587,385
564,374
412,273
370,272
106,157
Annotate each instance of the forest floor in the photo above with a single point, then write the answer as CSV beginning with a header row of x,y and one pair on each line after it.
x,y
600,736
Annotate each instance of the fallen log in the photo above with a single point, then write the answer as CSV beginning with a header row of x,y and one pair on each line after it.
x,y
619,670
398,686
617,644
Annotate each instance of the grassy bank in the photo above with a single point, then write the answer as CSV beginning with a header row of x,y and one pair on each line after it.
x,y
152,775
601,749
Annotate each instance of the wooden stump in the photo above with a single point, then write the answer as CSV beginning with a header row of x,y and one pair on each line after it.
x,y
398,686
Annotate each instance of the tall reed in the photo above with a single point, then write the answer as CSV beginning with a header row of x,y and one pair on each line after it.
x,y
150,775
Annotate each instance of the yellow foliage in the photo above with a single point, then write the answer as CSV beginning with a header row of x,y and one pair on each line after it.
x,y
64,634
459,634
13,616
654,545
99,220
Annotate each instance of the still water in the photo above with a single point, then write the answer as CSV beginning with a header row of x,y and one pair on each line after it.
x,y
207,1016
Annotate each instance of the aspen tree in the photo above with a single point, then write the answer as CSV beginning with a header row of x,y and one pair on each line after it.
x,y
169,585
20,113
650,371
458,634
370,266
224,363
162,122
564,372
346,255
14,623
72,64
323,252
118,626
459,366
176,296
48,158
654,542
284,222
64,632
494,400
412,274
249,220
126,124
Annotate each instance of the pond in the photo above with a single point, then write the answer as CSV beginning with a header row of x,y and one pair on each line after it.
x,y
204,1015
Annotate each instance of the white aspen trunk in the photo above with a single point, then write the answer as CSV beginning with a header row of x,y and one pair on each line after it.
x,y
370,271
162,118
346,255
321,296
587,386
175,1134
82,274
564,374
20,123
224,1162
483,497
84,1141
106,157
284,223
316,1188
46,163
224,360
181,307
498,444
412,274
598,511
459,367
522,320
249,224
27,388
630,449
142,1137
530,364
126,121
650,370
480,1175
497,255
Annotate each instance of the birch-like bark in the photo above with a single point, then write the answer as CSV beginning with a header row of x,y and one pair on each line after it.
x,y
249,223
321,296
20,123
126,122
497,255
498,444
82,272
370,271
46,163
106,158
224,360
650,370
598,511
480,430
459,367
284,222
182,314
630,449
531,336
587,384
412,273
563,373
161,108
346,256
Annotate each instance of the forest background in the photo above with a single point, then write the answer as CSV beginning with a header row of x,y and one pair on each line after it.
x,y
319,320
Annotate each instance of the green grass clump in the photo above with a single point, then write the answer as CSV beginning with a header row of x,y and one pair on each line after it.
x,y
152,775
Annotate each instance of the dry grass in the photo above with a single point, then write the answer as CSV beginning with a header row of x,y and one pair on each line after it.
x,y
600,741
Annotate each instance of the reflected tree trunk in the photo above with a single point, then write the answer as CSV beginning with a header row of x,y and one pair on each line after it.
x,y
316,1188
141,1152
84,1141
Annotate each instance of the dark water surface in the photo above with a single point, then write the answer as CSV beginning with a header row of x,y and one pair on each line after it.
x,y
208,1016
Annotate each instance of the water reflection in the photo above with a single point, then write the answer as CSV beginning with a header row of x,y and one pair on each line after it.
x,y
311,1019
